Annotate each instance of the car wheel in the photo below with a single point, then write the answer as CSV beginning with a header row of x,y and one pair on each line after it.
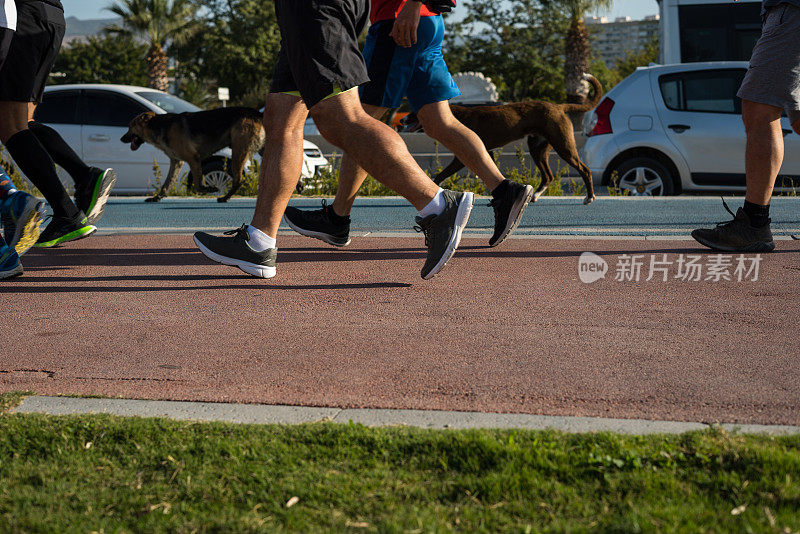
x,y
644,177
216,176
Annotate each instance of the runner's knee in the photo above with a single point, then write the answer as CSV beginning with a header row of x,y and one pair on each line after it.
x,y
755,115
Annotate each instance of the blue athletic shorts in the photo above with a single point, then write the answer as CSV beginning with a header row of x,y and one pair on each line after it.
x,y
418,73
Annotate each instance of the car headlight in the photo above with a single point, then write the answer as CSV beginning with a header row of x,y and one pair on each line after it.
x,y
313,152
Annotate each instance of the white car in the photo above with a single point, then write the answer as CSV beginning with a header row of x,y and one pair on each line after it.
x,y
674,128
93,117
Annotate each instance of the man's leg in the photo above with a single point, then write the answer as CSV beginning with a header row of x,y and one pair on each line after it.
x,y
380,151
331,223
32,158
253,247
284,117
749,231
92,185
374,146
68,223
351,175
440,124
509,199
764,152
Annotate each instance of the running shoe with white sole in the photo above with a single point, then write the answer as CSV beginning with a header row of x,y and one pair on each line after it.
x,y
21,216
319,224
443,231
10,265
63,229
92,197
508,210
237,252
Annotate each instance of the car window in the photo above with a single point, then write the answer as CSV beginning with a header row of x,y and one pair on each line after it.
x,y
169,103
58,107
712,91
104,108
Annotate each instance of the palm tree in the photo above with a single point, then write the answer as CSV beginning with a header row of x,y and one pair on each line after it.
x,y
576,46
158,23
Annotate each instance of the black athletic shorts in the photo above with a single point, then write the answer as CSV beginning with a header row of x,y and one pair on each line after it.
x,y
319,47
40,29
5,43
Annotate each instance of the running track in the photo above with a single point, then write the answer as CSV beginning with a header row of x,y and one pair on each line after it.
x,y
511,329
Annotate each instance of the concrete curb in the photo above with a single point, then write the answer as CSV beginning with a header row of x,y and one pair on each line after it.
x,y
272,414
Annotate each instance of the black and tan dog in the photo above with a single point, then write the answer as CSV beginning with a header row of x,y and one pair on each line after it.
x,y
192,137
545,125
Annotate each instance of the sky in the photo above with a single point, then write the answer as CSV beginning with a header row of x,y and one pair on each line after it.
x,y
94,9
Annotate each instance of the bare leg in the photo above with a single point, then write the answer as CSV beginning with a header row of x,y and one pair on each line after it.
x,y
281,166
375,146
764,153
351,176
13,119
439,123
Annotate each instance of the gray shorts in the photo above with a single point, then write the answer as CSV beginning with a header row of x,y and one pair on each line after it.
x,y
774,74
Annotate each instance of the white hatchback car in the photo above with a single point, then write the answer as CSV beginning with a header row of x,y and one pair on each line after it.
x,y
93,118
674,128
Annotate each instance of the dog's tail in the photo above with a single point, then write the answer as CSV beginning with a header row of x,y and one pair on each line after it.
x,y
598,94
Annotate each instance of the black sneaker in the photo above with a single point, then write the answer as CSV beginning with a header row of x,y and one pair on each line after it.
x,y
91,198
443,231
63,229
508,210
236,251
737,235
319,224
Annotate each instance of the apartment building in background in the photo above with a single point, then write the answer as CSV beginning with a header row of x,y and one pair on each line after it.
x,y
613,40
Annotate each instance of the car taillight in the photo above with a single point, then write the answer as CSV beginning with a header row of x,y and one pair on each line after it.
x,y
603,121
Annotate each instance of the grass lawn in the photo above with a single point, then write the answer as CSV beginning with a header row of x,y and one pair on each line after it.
x,y
110,474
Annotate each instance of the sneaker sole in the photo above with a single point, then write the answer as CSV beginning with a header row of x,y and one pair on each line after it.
x,y
768,246
515,216
84,232
28,226
16,271
316,235
462,216
100,194
253,269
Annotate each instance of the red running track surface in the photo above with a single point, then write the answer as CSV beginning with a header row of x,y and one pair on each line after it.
x,y
510,329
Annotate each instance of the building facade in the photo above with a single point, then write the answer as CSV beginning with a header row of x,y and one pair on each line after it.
x,y
613,40
708,30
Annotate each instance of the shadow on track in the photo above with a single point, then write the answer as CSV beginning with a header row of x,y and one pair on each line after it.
x,y
166,257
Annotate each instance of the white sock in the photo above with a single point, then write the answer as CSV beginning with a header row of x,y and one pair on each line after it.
x,y
435,206
259,241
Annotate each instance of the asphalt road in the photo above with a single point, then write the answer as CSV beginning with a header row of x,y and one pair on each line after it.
x,y
670,216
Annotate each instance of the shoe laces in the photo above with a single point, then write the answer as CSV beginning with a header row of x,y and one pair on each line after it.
x,y
240,232
728,209
426,232
322,214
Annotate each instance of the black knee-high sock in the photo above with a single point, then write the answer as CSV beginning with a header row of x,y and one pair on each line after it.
x,y
61,152
38,166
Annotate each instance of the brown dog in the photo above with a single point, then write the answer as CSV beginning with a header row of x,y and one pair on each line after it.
x,y
193,137
545,125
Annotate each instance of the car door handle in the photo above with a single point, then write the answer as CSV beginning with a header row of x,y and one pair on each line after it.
x,y
679,128
786,132
99,138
